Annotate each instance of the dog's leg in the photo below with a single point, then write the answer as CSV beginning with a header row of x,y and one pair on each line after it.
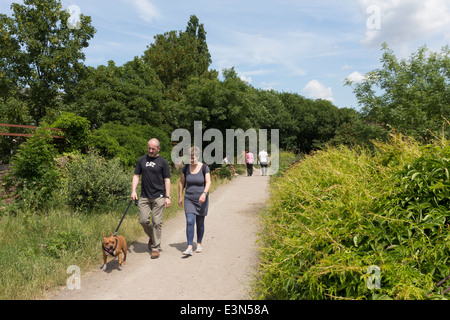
x,y
120,259
124,253
104,261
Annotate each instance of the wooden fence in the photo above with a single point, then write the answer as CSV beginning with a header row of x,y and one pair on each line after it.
x,y
26,127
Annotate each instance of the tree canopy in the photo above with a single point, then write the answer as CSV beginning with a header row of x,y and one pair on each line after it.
x,y
411,95
170,85
40,55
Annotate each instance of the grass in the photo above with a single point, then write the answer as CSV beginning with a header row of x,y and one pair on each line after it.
x,y
36,248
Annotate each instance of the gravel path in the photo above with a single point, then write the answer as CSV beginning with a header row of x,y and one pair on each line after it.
x,y
223,271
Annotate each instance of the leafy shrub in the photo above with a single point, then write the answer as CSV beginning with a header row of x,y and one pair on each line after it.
x,y
33,175
14,111
415,213
341,211
107,145
224,173
91,182
76,132
128,143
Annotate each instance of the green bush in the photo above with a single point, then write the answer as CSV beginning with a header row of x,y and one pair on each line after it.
x,y
92,183
341,212
33,176
415,216
128,143
13,111
224,173
76,132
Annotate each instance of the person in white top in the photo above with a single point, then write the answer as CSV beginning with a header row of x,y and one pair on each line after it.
x,y
227,163
262,156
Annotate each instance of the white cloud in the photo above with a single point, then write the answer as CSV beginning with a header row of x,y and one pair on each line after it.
x,y
356,77
284,52
254,49
316,90
268,86
406,21
346,66
246,79
146,10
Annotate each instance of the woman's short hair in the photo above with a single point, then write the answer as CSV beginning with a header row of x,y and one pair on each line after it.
x,y
195,151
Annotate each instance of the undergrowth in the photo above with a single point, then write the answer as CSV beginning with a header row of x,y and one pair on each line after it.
x,y
349,223
38,246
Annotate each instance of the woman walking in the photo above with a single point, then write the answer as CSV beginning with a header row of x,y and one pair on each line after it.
x,y
249,162
196,178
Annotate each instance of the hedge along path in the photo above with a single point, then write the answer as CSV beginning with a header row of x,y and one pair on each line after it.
x,y
223,271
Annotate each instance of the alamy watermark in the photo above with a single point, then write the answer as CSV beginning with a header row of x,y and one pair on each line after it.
x,y
74,280
373,22
374,280
213,152
74,21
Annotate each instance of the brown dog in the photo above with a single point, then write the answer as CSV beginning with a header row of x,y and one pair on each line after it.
x,y
114,246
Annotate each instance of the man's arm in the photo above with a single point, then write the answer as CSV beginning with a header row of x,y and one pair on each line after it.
x,y
167,184
134,184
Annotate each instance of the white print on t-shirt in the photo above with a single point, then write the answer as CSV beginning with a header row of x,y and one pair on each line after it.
x,y
150,164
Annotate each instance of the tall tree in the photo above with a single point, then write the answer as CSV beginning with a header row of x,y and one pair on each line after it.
x,y
228,104
125,94
176,56
41,53
408,95
197,30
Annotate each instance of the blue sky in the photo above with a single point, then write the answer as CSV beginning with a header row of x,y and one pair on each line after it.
x,y
307,47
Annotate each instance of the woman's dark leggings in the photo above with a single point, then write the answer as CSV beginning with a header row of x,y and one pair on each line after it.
x,y
249,169
191,220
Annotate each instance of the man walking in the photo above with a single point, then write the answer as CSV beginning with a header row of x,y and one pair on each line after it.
x,y
262,155
155,193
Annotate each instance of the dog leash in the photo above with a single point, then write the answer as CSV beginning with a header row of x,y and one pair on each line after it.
x,y
442,282
129,204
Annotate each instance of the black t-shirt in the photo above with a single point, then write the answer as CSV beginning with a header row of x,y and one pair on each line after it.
x,y
153,171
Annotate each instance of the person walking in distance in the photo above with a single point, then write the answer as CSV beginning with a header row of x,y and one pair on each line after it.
x,y
226,162
262,156
196,178
249,161
155,193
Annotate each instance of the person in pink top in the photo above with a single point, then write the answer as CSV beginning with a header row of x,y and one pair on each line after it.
x,y
249,161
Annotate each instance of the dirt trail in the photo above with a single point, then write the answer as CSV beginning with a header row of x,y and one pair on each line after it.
x,y
222,271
